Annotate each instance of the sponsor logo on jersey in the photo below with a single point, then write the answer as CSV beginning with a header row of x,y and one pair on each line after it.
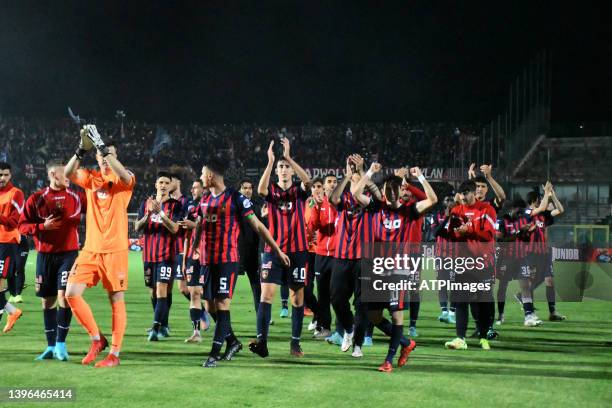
x,y
102,194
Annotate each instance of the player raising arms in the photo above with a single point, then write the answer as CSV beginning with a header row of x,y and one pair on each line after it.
x,y
353,230
540,217
410,195
52,216
105,254
482,189
392,222
157,219
11,207
219,217
286,211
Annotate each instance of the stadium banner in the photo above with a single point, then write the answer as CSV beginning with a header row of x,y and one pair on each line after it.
x,y
391,271
432,174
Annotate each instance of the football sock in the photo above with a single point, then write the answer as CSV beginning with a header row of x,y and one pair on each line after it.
x,y
461,318
167,310
221,327
394,341
414,312
263,320
550,297
528,305
195,315
50,320
118,326
297,320
160,311
64,317
386,327
256,290
82,312
2,302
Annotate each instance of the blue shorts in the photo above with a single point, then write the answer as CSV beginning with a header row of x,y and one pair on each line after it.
x,y
273,271
178,267
192,273
52,272
155,272
541,264
8,259
220,279
398,301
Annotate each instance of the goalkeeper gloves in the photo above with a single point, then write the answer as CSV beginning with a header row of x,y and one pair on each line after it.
x,y
84,144
96,140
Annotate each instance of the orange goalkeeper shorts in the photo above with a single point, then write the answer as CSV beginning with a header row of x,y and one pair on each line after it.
x,y
110,268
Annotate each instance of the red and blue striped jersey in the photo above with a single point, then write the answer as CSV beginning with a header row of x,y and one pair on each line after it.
x,y
445,247
521,243
416,230
286,217
179,243
159,242
191,214
538,236
395,224
221,217
354,228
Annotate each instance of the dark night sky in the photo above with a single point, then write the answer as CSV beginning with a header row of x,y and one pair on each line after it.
x,y
292,62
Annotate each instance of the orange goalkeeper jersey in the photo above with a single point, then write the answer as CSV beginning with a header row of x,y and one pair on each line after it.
x,y
107,202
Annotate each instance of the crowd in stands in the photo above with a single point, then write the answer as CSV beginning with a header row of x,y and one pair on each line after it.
x,y
145,147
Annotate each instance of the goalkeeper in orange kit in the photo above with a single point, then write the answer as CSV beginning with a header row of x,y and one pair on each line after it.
x,y
105,254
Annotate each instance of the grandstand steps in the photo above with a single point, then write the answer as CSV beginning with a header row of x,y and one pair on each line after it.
x,y
567,160
528,155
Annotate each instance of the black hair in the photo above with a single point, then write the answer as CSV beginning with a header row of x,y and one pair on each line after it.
x,y
5,166
533,197
468,185
176,176
166,174
198,181
393,181
316,180
244,180
330,175
217,166
518,202
479,179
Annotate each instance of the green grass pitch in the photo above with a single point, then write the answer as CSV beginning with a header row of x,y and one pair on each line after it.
x,y
556,365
